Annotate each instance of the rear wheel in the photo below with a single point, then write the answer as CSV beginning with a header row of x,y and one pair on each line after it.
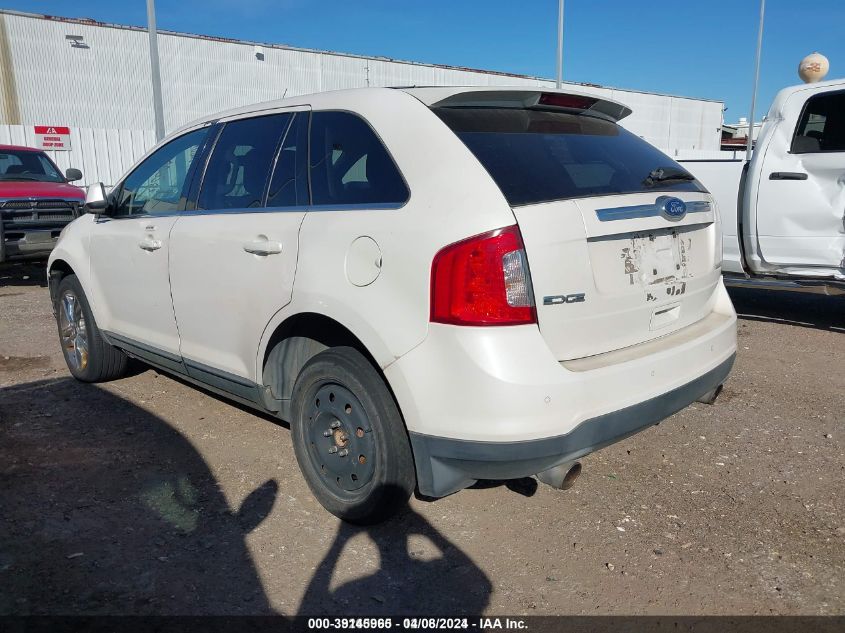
x,y
349,438
88,356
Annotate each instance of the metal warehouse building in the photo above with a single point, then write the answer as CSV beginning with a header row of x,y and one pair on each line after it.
x,y
93,76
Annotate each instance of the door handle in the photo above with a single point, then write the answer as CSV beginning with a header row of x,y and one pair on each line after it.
x,y
149,244
787,175
263,247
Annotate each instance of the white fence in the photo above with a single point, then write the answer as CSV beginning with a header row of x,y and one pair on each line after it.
x,y
105,155
102,155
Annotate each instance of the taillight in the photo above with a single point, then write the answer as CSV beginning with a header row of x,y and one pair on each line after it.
x,y
483,280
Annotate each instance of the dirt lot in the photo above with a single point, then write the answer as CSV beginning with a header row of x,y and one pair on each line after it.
x,y
147,496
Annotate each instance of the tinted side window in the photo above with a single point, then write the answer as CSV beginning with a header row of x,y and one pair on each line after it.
x,y
240,163
289,186
156,186
822,125
349,164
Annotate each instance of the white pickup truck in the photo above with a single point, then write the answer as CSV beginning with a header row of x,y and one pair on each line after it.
x,y
783,214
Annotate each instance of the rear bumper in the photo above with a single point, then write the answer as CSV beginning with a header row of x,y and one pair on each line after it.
x,y
446,465
494,403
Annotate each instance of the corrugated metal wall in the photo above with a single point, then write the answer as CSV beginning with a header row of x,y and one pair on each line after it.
x,y
106,85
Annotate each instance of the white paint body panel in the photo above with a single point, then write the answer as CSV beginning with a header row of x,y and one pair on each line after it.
x,y
790,227
721,177
493,383
131,286
223,296
505,385
633,272
799,223
390,315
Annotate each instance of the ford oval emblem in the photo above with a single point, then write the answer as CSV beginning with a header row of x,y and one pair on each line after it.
x,y
672,208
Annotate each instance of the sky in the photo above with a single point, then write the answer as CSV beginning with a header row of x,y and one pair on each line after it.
x,y
695,48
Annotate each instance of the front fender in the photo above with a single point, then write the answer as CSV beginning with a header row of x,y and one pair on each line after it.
x,y
72,251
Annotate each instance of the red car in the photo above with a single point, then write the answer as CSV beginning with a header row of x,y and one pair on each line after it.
x,y
36,202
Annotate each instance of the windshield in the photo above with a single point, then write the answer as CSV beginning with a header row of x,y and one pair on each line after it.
x,y
539,156
24,165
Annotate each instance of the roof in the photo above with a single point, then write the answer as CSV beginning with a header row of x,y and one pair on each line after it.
x,y
20,148
784,94
459,95
787,92
819,84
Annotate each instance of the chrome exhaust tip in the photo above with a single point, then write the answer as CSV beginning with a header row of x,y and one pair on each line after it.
x,y
562,476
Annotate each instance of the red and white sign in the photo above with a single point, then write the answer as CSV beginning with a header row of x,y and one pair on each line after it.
x,y
52,137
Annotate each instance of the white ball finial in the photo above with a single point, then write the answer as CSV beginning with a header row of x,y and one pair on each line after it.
x,y
813,68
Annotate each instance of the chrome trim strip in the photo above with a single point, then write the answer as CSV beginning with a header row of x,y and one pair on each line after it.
x,y
382,206
646,211
698,206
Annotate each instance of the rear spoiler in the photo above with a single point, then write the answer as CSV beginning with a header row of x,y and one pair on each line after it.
x,y
568,100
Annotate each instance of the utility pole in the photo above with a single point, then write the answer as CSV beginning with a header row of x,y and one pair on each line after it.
x,y
158,108
559,43
756,81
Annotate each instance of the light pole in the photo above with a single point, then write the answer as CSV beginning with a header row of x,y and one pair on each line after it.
x,y
158,108
756,81
559,43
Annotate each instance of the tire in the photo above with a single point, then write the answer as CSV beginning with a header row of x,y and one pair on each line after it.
x,y
349,438
88,356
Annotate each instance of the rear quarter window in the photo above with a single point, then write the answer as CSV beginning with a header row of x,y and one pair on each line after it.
x,y
350,165
539,156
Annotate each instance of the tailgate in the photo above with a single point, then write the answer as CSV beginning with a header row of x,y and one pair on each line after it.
x,y
614,271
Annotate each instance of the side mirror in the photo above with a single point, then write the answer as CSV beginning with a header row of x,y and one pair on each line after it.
x,y
96,200
73,174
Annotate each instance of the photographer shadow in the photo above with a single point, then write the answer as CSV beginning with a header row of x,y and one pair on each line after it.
x,y
109,510
408,581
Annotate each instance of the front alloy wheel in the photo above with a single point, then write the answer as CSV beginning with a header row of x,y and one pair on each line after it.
x,y
87,354
73,332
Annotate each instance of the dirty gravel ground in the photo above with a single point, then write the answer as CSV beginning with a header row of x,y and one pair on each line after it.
x,y
146,496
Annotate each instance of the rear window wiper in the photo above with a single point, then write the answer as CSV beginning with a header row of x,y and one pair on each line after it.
x,y
662,174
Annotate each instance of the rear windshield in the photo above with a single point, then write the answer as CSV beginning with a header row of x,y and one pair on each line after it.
x,y
538,156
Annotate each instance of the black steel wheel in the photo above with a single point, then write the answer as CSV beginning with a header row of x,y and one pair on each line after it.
x,y
349,438
340,438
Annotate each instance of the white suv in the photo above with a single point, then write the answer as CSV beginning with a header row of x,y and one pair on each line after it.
x,y
432,285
